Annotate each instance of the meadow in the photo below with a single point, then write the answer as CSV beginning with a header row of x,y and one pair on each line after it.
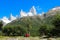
x,y
26,38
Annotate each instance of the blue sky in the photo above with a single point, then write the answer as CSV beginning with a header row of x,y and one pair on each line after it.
x,y
14,6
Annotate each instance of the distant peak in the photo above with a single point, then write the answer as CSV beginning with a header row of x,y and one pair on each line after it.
x,y
56,8
33,10
33,7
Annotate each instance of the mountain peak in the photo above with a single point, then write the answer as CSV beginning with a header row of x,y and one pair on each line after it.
x,y
56,8
22,13
5,21
33,10
12,17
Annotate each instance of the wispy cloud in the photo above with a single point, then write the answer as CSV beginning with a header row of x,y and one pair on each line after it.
x,y
38,8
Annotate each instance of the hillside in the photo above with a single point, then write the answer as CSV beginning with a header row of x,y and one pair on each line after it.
x,y
46,24
26,20
30,24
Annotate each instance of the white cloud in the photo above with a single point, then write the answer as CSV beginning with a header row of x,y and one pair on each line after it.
x,y
38,8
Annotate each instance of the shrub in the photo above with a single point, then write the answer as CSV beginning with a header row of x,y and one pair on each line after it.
x,y
13,31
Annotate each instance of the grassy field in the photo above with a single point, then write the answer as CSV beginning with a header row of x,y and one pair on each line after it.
x,y
26,38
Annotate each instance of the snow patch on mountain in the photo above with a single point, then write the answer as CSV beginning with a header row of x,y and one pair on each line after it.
x,y
32,12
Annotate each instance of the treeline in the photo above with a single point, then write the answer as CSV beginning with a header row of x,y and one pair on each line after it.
x,y
35,26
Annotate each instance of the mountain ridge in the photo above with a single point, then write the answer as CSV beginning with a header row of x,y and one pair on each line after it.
x,y
31,13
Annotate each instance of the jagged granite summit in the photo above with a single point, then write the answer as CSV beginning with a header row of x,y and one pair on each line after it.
x,y
6,20
32,12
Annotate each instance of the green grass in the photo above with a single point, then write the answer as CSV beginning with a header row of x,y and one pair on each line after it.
x,y
24,38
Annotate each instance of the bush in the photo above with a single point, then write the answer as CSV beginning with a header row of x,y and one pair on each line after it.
x,y
49,26
13,31
45,29
1,33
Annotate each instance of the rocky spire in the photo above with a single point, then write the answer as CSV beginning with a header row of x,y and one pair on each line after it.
x,y
12,17
22,13
5,21
33,10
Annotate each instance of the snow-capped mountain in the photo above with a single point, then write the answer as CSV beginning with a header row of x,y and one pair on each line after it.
x,y
32,12
22,13
12,17
5,21
53,11
56,9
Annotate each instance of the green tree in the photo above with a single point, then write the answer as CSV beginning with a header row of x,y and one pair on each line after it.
x,y
56,23
1,25
13,30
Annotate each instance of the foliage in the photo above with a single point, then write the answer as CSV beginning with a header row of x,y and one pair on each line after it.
x,y
1,25
56,23
13,31
35,26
